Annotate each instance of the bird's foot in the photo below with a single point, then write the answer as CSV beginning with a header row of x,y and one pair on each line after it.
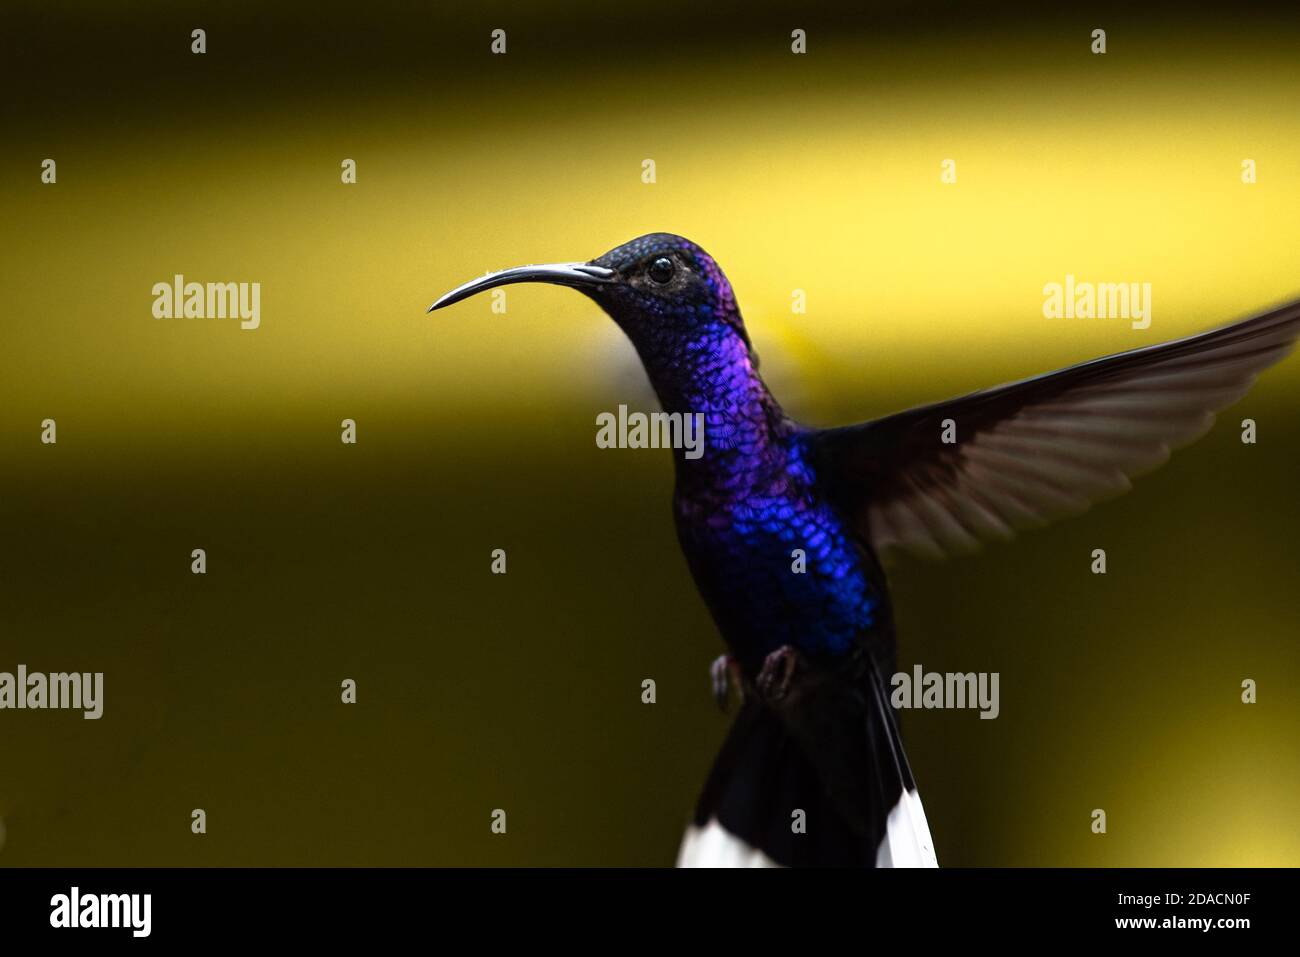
x,y
777,672
725,672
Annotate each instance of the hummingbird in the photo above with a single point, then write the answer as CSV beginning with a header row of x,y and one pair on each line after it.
x,y
784,528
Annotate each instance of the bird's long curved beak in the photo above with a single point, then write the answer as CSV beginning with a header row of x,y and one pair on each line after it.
x,y
561,274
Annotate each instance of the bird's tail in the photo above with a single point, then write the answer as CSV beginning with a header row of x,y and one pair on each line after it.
x,y
817,780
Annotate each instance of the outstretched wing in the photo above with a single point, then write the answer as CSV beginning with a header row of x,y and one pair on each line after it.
x,y
1030,452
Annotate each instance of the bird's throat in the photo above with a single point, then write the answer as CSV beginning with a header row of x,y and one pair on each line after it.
x,y
712,374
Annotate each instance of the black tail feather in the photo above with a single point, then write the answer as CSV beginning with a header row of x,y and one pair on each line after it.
x,y
831,749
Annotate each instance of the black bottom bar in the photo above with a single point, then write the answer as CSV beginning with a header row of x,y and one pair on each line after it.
x,y
673,907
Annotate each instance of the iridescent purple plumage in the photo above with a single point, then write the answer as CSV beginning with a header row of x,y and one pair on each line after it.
x,y
776,562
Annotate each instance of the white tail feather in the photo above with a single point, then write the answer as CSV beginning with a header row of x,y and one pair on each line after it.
x,y
907,841
714,846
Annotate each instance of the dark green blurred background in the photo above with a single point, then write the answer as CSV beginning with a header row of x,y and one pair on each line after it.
x,y
476,431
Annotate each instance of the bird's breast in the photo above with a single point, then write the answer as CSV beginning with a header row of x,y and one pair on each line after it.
x,y
778,567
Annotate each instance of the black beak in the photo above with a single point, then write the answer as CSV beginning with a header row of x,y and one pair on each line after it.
x,y
577,275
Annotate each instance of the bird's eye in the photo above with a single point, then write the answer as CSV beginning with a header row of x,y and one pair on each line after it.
x,y
661,270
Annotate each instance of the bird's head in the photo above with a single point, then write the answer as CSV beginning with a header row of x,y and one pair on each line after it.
x,y
663,290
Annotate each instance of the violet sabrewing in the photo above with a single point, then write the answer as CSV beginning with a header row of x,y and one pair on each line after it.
x,y
783,527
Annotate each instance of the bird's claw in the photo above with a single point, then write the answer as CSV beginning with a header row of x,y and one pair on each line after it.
x,y
777,672
724,672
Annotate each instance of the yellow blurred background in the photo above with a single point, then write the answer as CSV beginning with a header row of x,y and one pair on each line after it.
x,y
818,172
